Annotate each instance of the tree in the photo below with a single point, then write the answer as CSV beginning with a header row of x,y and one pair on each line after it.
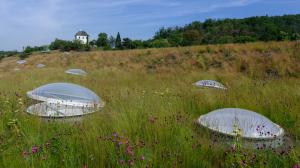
x,y
295,36
283,36
57,44
127,43
191,37
175,39
64,45
160,43
118,41
138,44
28,50
93,43
112,42
102,40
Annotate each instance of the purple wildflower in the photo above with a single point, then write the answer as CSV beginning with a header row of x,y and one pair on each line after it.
x,y
121,162
34,149
130,163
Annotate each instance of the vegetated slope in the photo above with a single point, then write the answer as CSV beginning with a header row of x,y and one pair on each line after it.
x,y
277,59
151,107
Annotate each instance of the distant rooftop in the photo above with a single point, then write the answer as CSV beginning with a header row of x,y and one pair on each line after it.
x,y
81,33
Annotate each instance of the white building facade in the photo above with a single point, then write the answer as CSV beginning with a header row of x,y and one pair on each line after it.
x,y
82,36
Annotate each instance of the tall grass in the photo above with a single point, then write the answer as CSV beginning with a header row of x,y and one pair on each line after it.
x,y
151,107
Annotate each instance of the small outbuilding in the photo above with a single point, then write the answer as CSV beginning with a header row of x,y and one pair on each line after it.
x,y
82,36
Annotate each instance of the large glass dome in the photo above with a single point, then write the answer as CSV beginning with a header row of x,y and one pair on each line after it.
x,y
65,93
250,124
76,72
63,99
210,83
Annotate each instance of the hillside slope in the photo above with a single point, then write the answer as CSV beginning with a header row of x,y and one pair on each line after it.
x,y
254,59
151,107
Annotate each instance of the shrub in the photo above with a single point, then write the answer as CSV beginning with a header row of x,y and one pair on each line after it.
x,y
160,43
63,45
244,39
24,55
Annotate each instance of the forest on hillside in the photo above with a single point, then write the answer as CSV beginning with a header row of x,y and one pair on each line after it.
x,y
263,28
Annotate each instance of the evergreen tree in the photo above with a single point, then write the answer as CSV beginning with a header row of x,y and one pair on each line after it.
x,y
118,41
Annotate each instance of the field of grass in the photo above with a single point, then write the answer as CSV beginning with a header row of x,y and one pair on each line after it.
x,y
151,107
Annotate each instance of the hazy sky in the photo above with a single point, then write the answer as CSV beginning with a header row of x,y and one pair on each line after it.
x,y
38,22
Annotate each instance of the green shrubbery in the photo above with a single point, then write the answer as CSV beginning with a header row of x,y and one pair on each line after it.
x,y
24,55
4,54
30,49
64,45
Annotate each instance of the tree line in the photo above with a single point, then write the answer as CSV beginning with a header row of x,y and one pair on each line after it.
x,y
211,31
262,28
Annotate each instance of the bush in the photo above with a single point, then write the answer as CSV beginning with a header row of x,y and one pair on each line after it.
x,y
160,43
4,54
64,45
244,39
30,49
24,55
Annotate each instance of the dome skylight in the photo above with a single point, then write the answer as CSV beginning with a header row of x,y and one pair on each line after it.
x,y
251,125
210,83
64,98
76,72
21,62
40,65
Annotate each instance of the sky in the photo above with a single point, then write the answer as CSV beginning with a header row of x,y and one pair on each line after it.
x,y
38,22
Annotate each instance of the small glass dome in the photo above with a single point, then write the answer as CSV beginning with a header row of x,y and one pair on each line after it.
x,y
40,65
251,125
21,62
210,83
76,72
63,100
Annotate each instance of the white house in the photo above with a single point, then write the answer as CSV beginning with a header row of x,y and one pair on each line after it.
x,y
82,36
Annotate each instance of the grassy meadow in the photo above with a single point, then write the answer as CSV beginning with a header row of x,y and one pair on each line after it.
x,y
151,107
